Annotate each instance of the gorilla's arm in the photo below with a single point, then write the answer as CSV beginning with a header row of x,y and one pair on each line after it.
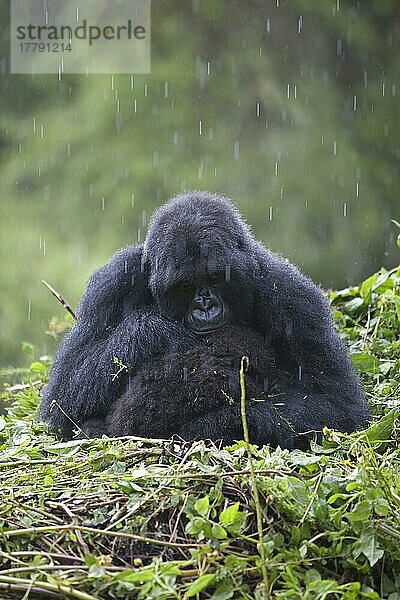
x,y
288,420
115,319
294,315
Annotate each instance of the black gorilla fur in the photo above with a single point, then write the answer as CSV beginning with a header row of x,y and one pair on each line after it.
x,y
135,310
193,386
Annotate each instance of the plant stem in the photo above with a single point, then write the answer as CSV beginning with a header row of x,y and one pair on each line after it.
x,y
244,365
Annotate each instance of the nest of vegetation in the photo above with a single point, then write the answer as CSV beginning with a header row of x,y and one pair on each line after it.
x,y
135,518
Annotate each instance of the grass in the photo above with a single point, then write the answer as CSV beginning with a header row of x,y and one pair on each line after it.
x,y
136,518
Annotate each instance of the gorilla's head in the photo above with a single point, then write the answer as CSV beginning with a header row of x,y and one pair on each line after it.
x,y
199,250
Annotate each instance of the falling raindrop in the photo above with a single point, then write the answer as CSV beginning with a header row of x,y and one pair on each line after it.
x,y
300,24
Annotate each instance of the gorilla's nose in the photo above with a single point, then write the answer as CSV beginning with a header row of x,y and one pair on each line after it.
x,y
204,299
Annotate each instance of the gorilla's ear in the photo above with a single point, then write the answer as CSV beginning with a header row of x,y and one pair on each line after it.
x,y
111,289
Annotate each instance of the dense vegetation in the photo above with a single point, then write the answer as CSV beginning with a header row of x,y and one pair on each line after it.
x,y
131,518
290,108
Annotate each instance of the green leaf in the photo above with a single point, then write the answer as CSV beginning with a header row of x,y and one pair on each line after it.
x,y
365,363
197,586
366,288
39,368
362,512
230,514
96,572
218,532
382,430
140,576
368,545
382,507
147,574
202,506
224,591
354,304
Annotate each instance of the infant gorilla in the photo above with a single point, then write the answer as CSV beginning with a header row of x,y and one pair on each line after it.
x,y
166,396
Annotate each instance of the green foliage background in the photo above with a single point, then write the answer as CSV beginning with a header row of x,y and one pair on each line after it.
x,y
314,168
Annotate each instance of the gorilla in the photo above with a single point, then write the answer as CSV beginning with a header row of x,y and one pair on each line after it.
x,y
161,329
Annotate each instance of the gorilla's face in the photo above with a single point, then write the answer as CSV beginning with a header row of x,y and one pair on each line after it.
x,y
207,311
201,304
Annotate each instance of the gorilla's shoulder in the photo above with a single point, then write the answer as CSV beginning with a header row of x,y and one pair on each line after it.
x,y
125,274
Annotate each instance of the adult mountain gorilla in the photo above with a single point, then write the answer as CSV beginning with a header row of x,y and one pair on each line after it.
x,y
153,307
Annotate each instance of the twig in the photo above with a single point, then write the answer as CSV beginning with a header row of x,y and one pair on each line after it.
x,y
44,586
313,496
120,534
38,568
31,589
55,403
83,546
244,366
62,300
366,332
